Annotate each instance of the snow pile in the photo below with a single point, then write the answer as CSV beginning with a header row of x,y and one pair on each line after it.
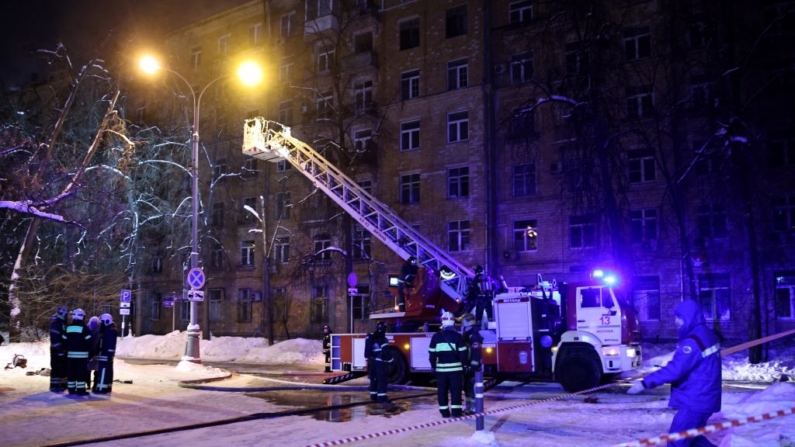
x,y
773,433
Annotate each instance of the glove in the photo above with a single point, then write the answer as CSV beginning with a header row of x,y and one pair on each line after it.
x,y
636,388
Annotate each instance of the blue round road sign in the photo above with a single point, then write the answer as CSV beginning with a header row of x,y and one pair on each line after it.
x,y
196,278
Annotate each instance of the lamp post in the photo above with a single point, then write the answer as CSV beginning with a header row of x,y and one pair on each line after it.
x,y
250,73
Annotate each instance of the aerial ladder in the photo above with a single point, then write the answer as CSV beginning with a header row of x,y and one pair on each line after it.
x,y
272,141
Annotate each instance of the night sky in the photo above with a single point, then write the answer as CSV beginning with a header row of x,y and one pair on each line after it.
x,y
85,27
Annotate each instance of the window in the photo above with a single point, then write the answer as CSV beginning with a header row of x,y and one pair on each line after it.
x,y
184,311
784,213
318,8
520,12
247,253
281,249
646,297
594,297
457,74
324,105
214,300
320,245
157,305
363,42
325,61
217,256
362,242
641,166
582,232
637,43
458,235
156,264
283,205
576,59
249,166
246,217
281,166
409,135
409,189
457,127
409,34
410,85
286,112
244,305
714,296
700,95
284,72
223,44
361,308
286,26
458,182
525,235
643,226
640,102
361,139
782,152
524,179
318,307
712,221
219,168
521,68
785,295
255,34
196,57
522,124
363,96
456,23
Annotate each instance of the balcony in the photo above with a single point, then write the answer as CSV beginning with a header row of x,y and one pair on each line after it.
x,y
368,59
313,28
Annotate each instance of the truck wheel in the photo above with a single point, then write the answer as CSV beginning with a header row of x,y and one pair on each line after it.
x,y
397,370
579,372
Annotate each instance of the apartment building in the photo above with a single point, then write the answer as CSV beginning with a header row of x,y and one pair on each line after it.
x,y
532,138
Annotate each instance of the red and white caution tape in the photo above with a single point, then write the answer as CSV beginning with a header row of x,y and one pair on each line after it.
x,y
693,432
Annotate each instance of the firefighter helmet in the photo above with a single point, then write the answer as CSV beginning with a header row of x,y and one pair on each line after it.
x,y
447,319
380,327
78,315
107,319
467,321
62,311
326,329
479,270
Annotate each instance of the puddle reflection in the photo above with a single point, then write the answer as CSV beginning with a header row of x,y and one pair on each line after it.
x,y
312,399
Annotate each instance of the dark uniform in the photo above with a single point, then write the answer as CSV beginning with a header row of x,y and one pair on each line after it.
x,y
377,360
480,294
327,347
474,342
103,376
78,344
58,350
448,353
408,273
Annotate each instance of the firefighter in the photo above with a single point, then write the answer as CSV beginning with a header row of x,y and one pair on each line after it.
x,y
448,355
377,360
408,273
327,347
474,343
93,326
78,345
694,374
58,350
103,376
481,292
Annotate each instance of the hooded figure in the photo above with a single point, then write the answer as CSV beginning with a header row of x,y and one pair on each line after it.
x,y
694,374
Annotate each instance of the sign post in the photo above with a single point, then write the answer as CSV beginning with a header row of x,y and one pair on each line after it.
x,y
124,307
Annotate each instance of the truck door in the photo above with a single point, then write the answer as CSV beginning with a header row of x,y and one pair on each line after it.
x,y
598,314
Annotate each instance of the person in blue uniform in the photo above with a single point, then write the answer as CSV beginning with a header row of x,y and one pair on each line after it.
x,y
58,350
448,354
474,343
378,359
78,344
694,374
103,376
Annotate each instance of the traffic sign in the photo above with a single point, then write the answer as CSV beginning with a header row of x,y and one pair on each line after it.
x,y
124,311
195,295
168,303
353,291
126,296
124,305
196,278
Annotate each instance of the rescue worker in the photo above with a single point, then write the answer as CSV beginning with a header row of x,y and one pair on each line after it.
x,y
103,376
408,273
480,294
377,360
58,350
93,362
474,343
78,345
448,354
327,347
694,374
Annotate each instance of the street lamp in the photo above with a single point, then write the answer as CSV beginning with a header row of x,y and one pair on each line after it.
x,y
250,74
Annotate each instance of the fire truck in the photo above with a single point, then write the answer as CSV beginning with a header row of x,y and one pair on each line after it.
x,y
578,334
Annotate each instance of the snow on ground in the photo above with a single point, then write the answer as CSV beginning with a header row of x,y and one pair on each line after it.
x,y
30,415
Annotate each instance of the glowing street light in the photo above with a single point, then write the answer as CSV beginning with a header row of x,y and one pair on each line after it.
x,y
250,74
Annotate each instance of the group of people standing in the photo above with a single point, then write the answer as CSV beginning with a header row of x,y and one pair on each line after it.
x,y
77,347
